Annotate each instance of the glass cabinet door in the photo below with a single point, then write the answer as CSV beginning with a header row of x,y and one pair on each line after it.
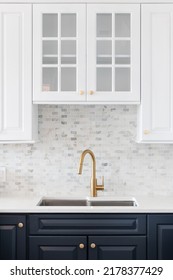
x,y
113,53
59,53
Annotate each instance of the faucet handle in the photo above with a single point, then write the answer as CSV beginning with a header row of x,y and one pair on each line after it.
x,y
101,187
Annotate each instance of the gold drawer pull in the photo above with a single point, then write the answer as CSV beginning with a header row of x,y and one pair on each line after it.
x,y
20,225
91,92
81,246
93,245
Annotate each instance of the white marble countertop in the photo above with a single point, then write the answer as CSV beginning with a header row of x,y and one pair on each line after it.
x,y
146,204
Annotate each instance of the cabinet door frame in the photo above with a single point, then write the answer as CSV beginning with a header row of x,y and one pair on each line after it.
x,y
9,224
157,225
132,96
39,245
135,245
59,96
16,72
155,114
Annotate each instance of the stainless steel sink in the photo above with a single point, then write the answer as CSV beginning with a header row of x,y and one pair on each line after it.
x,y
63,202
120,203
93,202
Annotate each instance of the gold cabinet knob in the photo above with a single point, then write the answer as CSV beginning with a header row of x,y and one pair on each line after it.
x,y
81,92
20,225
91,92
93,245
81,246
146,132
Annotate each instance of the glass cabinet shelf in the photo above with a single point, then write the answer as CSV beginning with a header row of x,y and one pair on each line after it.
x,y
122,65
104,55
49,55
62,65
123,55
49,65
49,38
116,38
116,65
70,55
68,38
52,55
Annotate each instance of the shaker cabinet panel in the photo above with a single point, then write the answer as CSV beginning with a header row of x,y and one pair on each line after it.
x,y
87,224
113,52
59,52
87,236
117,247
160,237
155,114
57,248
12,237
16,119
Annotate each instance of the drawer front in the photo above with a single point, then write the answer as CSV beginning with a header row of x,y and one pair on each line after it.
x,y
84,224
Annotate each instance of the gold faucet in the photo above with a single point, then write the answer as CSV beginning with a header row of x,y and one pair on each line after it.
x,y
94,186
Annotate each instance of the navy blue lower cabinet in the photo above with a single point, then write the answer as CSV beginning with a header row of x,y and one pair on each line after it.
x,y
12,237
117,247
76,247
57,248
87,236
160,237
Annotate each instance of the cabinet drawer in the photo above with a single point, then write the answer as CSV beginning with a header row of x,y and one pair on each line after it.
x,y
84,224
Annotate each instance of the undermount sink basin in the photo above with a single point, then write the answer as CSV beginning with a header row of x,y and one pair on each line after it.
x,y
120,203
62,202
94,202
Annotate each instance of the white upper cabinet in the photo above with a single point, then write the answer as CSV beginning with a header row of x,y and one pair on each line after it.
x,y
155,123
16,109
113,53
59,53
93,58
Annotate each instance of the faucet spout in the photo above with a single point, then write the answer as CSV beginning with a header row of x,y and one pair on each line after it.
x,y
94,186
80,168
84,153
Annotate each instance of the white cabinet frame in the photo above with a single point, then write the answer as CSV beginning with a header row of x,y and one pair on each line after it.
x,y
112,96
155,115
86,39
16,109
59,96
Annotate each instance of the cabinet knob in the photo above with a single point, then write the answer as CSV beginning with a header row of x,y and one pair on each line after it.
x,y
81,246
93,245
91,92
20,225
146,131
81,92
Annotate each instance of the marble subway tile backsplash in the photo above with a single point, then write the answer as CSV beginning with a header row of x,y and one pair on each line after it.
x,y
49,167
